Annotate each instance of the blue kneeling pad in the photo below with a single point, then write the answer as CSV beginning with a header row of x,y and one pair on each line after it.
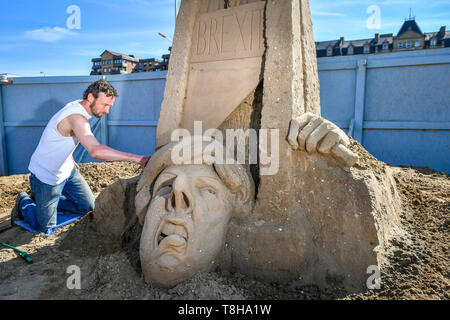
x,y
62,219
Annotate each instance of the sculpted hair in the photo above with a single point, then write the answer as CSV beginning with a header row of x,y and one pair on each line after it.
x,y
100,86
239,181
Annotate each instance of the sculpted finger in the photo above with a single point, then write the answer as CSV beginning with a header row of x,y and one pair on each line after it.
x,y
296,125
344,155
343,137
306,118
331,139
317,135
306,131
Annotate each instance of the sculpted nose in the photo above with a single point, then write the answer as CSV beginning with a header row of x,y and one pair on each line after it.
x,y
180,199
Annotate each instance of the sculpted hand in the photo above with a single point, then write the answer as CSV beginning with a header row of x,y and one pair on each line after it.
x,y
312,133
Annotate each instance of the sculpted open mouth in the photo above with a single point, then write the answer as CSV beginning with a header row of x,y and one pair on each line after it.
x,y
172,235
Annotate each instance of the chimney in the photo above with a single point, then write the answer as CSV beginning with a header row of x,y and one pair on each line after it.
x,y
377,37
442,31
342,42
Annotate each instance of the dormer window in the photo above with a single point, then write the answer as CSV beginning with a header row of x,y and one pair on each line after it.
x,y
329,51
366,49
433,42
350,50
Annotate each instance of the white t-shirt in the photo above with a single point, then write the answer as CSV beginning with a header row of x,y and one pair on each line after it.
x,y
52,161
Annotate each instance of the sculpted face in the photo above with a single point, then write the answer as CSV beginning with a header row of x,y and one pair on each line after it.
x,y
185,224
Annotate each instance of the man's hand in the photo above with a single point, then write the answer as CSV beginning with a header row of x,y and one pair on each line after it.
x,y
76,164
312,133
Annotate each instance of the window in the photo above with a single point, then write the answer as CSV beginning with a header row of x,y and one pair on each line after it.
x,y
385,46
109,69
366,49
329,51
400,45
104,70
417,44
408,44
433,42
350,50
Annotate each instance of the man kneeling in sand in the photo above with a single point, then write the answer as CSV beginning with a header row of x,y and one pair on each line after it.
x,y
56,182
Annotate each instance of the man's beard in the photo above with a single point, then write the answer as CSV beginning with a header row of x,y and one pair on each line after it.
x,y
96,114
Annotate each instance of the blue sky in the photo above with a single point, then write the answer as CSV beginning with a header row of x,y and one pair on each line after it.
x,y
34,36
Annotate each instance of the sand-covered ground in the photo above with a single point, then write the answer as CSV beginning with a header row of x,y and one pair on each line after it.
x,y
419,267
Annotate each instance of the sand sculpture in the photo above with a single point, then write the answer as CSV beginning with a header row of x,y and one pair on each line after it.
x,y
252,65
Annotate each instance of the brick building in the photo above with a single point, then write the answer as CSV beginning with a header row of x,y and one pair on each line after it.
x,y
410,37
111,62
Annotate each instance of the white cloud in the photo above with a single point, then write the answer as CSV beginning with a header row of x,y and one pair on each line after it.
x,y
48,34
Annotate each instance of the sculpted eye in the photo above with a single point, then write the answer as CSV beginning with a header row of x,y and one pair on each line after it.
x,y
164,190
209,190
163,186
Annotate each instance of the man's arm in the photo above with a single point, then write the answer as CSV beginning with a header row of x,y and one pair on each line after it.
x,y
82,130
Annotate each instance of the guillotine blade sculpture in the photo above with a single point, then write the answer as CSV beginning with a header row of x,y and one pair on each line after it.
x,y
308,213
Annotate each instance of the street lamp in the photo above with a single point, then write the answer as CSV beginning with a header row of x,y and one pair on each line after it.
x,y
176,7
165,37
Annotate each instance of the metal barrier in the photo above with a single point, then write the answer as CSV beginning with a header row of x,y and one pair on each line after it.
x,y
27,104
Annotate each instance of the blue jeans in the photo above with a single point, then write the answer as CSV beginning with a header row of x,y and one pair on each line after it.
x,y
73,195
